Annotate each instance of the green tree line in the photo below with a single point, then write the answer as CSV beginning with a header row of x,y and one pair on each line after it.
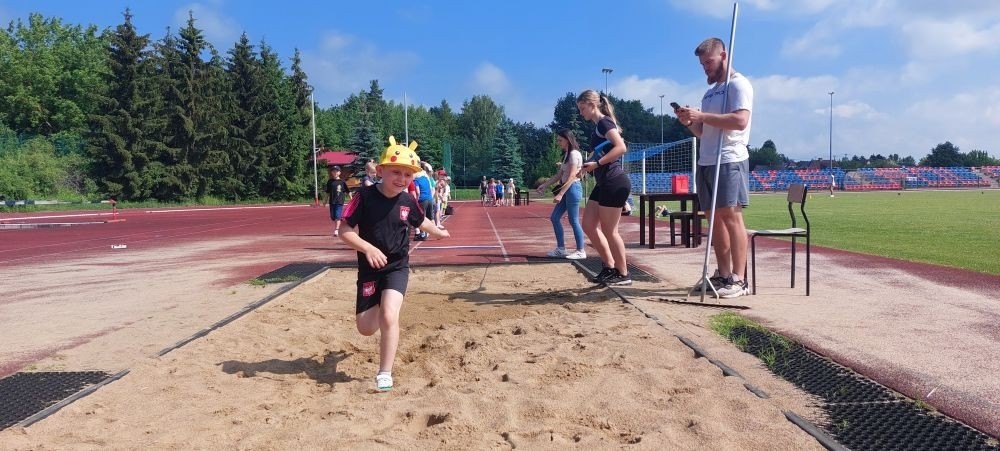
x,y
114,113
88,114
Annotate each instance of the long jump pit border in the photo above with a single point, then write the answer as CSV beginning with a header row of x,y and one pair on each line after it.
x,y
490,355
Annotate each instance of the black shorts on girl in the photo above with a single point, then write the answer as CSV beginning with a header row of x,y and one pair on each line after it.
x,y
612,192
371,285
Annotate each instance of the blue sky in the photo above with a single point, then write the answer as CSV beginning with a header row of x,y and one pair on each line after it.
x,y
907,74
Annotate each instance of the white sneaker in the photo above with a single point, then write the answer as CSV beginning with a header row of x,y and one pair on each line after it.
x,y
734,288
576,255
383,381
557,252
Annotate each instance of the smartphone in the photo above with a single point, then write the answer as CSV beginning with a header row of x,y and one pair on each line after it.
x,y
675,106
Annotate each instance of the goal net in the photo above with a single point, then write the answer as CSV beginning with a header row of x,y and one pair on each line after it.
x,y
651,167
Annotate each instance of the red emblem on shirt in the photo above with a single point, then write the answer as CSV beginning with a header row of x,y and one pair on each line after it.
x,y
404,212
368,289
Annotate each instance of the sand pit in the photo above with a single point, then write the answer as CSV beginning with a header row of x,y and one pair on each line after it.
x,y
528,356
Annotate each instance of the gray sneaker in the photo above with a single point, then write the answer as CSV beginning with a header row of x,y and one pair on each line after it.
x,y
557,253
734,288
716,280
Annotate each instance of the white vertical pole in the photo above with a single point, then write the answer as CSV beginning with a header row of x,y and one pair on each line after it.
x,y
643,171
312,105
718,163
406,120
692,186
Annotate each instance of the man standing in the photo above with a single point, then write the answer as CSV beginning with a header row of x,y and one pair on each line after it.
x,y
731,121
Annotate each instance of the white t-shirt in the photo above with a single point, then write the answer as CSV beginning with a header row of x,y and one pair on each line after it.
x,y
575,159
734,142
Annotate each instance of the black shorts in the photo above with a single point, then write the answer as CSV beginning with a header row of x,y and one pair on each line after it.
x,y
370,286
612,192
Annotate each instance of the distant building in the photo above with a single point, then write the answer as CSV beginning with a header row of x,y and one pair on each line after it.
x,y
340,157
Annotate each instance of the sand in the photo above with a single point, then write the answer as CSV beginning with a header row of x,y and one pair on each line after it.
x,y
498,357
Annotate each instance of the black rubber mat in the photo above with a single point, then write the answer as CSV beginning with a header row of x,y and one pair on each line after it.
x,y
292,272
594,265
25,394
862,414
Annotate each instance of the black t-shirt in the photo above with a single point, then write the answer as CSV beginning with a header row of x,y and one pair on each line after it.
x,y
607,170
337,190
384,222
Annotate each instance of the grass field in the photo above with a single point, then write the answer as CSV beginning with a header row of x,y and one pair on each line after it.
x,y
952,228
960,229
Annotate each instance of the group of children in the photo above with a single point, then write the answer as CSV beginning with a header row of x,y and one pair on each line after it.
x,y
495,193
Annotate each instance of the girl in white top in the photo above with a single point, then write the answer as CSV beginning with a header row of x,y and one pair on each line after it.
x,y
567,196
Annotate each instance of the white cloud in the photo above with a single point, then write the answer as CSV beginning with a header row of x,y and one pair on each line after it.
x,y
964,118
934,39
856,109
782,88
490,79
817,43
724,8
648,90
221,30
344,64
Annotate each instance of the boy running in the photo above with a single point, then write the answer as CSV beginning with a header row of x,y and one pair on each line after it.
x,y
376,224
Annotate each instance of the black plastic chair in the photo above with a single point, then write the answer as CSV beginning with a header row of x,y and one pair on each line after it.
x,y
797,194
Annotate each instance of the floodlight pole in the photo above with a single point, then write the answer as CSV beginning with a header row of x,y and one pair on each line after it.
x,y
406,121
831,131
661,118
312,106
606,70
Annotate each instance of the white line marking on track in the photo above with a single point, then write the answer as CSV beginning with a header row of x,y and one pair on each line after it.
x,y
184,210
460,247
80,215
503,250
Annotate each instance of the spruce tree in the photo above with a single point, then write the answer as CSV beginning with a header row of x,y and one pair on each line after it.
x,y
244,125
507,162
300,139
118,140
364,141
187,135
214,175
163,124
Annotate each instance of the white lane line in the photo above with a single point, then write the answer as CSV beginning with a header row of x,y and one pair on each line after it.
x,y
184,210
503,250
459,247
80,215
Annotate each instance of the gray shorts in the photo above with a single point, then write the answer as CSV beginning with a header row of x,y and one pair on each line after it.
x,y
734,184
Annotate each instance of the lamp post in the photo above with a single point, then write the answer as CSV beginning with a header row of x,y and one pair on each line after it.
x,y
831,131
312,106
606,70
661,118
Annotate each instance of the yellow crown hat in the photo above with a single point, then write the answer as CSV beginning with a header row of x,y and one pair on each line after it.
x,y
400,155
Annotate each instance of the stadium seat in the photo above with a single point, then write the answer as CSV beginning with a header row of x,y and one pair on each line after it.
x,y
797,194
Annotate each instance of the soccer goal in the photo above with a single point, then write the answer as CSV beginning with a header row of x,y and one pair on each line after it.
x,y
651,167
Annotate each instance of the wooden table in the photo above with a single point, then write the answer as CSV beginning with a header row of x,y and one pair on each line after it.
x,y
647,202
